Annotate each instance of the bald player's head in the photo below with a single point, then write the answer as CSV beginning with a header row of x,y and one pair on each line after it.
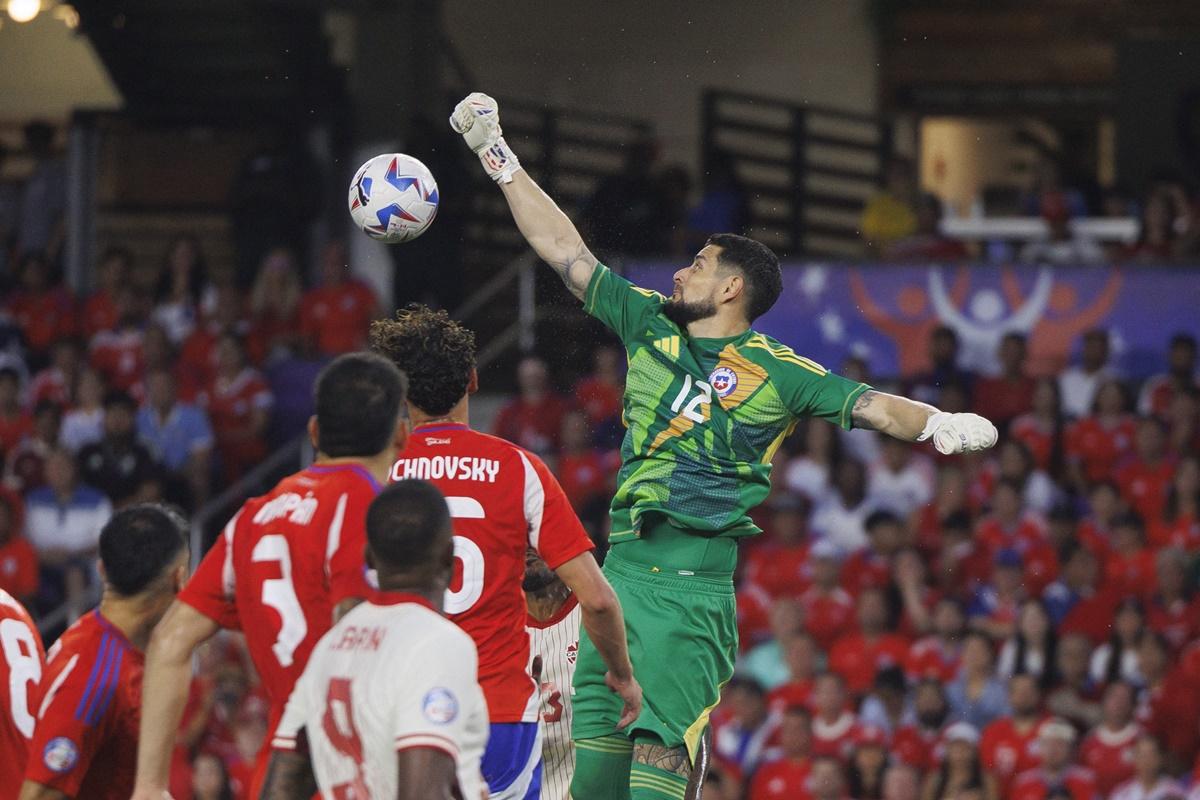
x,y
409,537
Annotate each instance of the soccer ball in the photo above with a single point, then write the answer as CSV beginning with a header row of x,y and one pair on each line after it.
x,y
393,198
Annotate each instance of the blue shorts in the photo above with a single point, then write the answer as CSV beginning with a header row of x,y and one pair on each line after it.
x,y
512,762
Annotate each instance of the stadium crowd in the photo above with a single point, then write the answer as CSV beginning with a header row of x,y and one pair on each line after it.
x,y
1019,624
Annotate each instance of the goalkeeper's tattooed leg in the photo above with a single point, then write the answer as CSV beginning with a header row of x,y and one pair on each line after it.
x,y
695,787
658,772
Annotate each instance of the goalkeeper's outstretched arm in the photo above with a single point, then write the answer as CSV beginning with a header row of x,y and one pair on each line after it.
x,y
549,232
543,224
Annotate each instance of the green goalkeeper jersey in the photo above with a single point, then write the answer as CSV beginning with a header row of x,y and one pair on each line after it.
x,y
703,417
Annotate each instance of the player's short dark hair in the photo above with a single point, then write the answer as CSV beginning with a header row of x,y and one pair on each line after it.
x,y
138,544
435,352
1183,340
359,397
758,265
404,522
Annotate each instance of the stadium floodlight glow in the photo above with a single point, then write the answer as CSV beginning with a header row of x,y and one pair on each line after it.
x,y
23,10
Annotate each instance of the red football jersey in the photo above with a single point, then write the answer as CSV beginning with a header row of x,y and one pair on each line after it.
x,y
928,658
21,657
784,779
117,355
1006,752
781,570
1145,487
84,742
503,500
834,739
282,564
1030,431
827,616
1109,755
866,569
336,318
857,659
1098,448
918,747
1034,784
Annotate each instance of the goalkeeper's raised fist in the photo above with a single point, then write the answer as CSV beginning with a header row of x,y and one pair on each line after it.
x,y
477,118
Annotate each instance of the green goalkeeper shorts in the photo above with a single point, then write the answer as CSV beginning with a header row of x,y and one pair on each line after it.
x,y
676,592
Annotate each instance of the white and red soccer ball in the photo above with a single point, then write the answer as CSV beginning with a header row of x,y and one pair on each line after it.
x,y
393,198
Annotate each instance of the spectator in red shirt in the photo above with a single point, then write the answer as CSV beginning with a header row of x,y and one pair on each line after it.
x,y
858,656
57,382
1171,609
1096,443
198,356
917,742
1041,430
1076,697
1150,780
927,243
801,657
1129,569
833,723
117,354
1180,525
239,406
1008,395
1183,425
786,776
1180,376
1056,743
335,316
1145,479
586,474
1008,746
25,464
938,655
780,566
1095,529
599,394
950,497
100,308
15,422
1011,527
1168,706
533,419
962,773
275,307
18,561
871,567
42,307
1108,750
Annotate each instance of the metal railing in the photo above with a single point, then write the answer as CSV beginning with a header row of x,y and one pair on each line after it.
x,y
807,169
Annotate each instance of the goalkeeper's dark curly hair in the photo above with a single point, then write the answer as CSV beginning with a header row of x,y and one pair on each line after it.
x,y
434,351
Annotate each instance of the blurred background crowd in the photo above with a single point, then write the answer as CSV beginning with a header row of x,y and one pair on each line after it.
x,y
176,267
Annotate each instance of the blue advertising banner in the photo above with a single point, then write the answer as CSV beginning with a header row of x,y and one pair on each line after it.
x,y
884,313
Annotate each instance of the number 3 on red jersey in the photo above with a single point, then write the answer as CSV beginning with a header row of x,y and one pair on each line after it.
x,y
280,594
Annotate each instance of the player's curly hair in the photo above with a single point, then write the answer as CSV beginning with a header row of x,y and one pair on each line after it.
x,y
434,351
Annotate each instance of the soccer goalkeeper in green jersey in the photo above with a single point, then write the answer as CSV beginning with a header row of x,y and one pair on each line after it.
x,y
707,402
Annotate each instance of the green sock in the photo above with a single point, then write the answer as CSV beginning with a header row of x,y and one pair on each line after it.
x,y
602,768
650,783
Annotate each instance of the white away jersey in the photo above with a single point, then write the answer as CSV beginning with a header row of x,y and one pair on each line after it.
x,y
391,674
556,642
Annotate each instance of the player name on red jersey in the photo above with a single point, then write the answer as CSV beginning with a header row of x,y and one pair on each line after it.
x,y
299,510
451,468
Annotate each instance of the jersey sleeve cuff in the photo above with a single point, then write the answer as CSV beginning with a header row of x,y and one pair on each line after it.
x,y
430,740
845,419
589,296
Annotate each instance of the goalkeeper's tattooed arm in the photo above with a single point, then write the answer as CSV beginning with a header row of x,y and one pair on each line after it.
x,y
917,422
550,232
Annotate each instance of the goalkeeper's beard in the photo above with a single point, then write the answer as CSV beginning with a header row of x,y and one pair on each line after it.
x,y
683,313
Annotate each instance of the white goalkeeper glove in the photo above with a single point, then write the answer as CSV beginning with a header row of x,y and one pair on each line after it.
x,y
959,433
477,118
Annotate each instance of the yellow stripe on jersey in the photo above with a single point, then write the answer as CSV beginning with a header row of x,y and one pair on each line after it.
x,y
785,354
640,780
